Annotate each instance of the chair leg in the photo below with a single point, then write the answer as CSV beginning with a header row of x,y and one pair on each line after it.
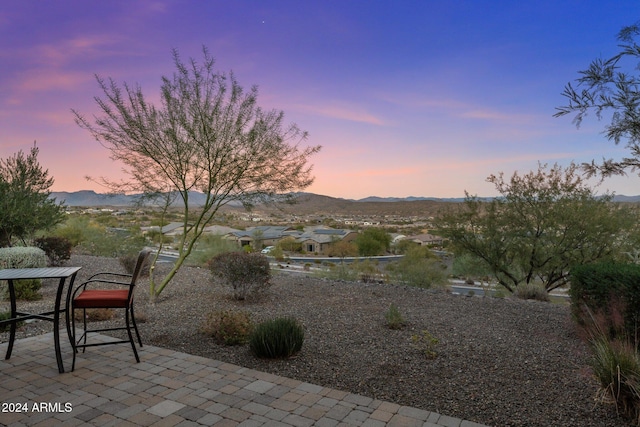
x,y
133,344
84,324
135,326
73,339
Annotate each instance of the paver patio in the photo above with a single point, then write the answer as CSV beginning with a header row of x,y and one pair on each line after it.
x,y
169,388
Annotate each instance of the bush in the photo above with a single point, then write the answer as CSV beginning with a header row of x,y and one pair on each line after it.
x,y
5,316
417,268
394,318
604,287
249,274
22,257
96,314
616,366
277,339
129,261
58,249
228,327
535,291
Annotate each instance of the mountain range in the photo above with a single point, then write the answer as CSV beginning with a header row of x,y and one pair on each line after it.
x,y
307,202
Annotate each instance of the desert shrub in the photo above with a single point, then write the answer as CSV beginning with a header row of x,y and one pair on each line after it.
x,y
394,317
425,343
277,339
208,246
608,289
22,257
535,291
26,290
417,268
616,366
228,327
341,271
367,270
129,261
5,315
58,249
249,274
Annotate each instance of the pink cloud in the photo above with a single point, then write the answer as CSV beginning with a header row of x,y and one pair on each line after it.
x,y
354,114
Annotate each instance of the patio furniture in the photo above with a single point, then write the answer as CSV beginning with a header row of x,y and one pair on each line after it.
x,y
118,295
60,273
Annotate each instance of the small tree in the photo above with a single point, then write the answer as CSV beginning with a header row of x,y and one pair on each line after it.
x,y
207,135
25,206
543,223
373,241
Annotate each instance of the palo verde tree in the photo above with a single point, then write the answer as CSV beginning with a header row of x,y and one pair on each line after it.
x,y
541,225
207,135
611,87
25,206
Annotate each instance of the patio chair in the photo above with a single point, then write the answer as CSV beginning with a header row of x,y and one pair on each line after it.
x,y
119,296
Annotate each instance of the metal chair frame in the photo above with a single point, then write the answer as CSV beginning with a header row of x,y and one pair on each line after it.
x,y
108,278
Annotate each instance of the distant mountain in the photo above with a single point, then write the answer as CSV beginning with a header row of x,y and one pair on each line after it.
x,y
307,202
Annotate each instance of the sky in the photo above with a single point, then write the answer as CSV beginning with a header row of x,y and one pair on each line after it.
x,y
407,98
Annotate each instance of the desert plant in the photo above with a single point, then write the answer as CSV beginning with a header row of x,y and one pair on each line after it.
x,y
425,343
531,290
228,327
249,274
58,249
129,261
279,338
418,269
616,366
394,317
6,315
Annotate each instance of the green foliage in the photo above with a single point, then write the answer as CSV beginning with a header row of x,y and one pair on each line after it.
x,y
289,244
367,270
343,249
249,274
394,317
58,249
425,343
228,327
277,339
6,315
469,266
616,366
418,268
544,223
25,206
611,86
22,257
26,290
210,245
373,241
341,271
611,290
535,291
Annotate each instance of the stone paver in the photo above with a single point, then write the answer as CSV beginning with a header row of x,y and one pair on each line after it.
x,y
169,388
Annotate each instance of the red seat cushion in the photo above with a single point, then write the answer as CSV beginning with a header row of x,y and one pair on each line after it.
x,y
96,298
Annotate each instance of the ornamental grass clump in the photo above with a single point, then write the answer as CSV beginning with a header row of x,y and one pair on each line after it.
x,y
279,338
394,318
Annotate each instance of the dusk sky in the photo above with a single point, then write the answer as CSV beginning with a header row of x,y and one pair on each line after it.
x,y
407,98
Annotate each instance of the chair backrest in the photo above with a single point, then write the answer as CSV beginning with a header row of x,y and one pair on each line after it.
x,y
142,257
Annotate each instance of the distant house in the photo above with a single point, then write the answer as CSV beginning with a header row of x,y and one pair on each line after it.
x,y
319,240
267,235
427,239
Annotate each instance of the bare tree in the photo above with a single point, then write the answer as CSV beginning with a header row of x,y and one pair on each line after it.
x,y
208,135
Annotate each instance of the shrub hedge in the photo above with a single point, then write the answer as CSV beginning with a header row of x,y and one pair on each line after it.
x,y
604,286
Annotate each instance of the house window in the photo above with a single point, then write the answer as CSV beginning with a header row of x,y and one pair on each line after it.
x,y
310,248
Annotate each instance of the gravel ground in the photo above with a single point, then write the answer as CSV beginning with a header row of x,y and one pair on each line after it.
x,y
501,362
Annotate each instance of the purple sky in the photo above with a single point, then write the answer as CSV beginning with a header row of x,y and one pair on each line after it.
x,y
407,98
